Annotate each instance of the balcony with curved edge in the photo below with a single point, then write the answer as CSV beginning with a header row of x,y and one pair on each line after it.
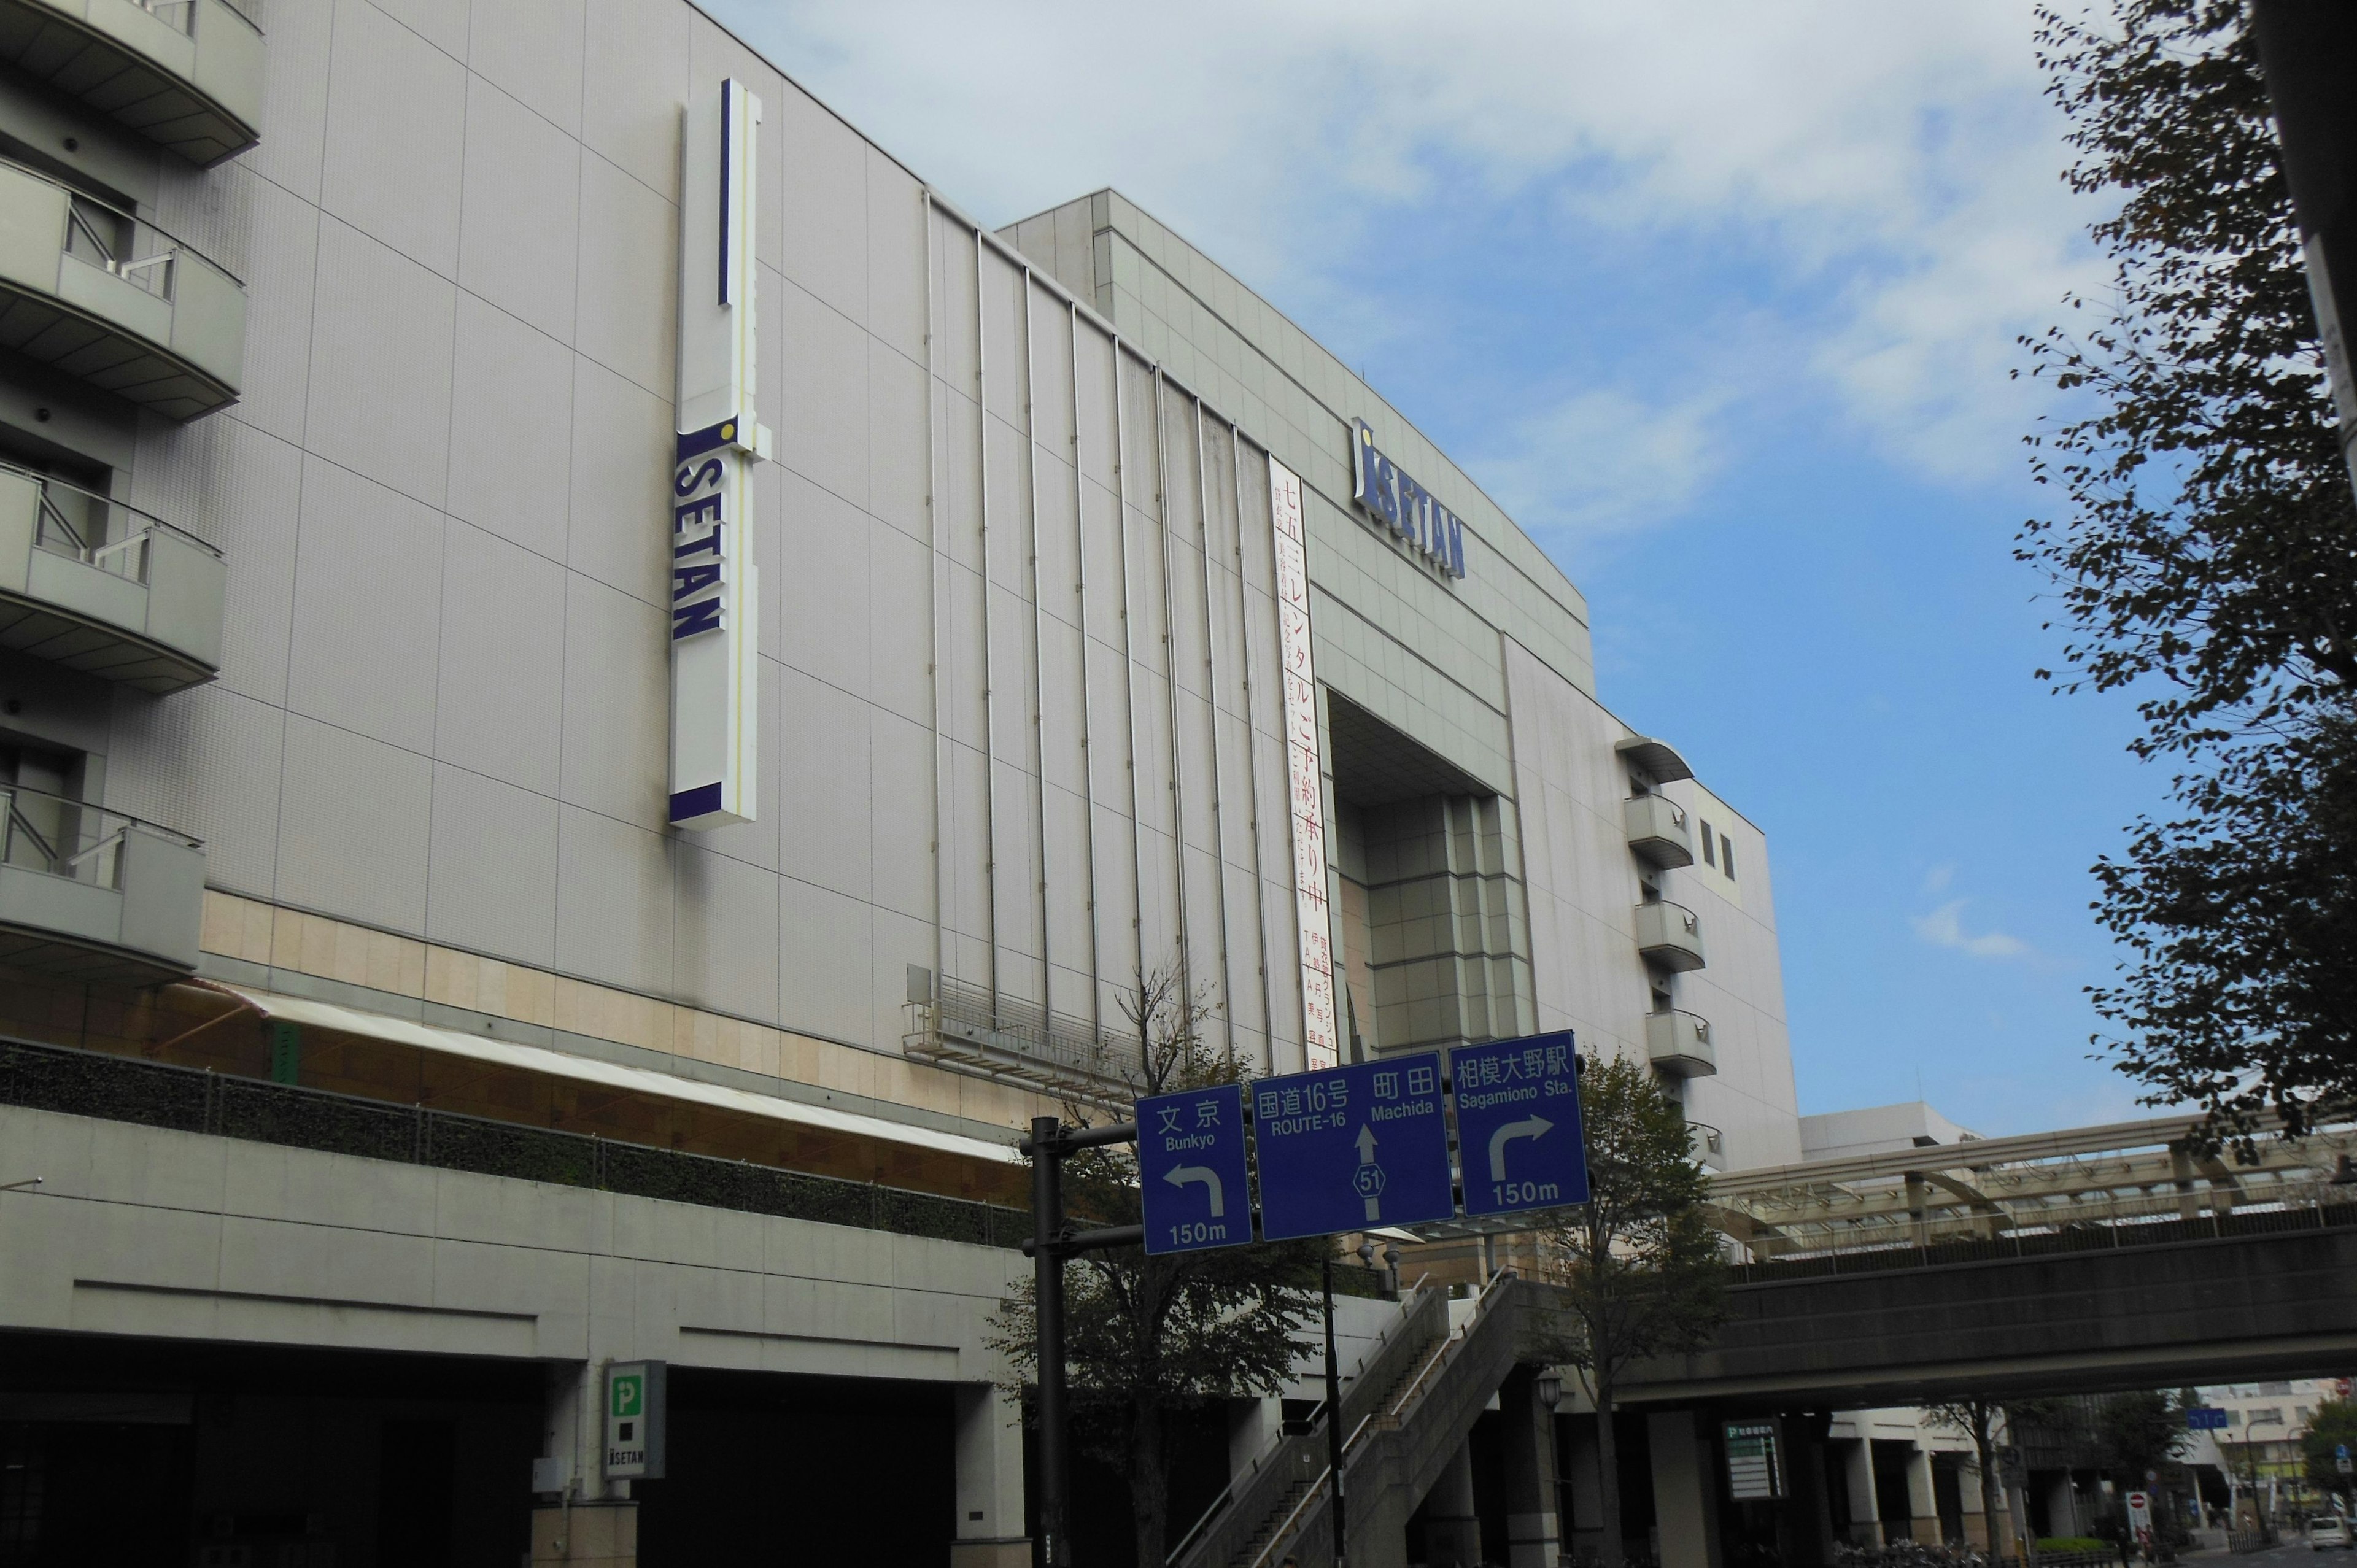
x,y
106,296
1658,759
1679,1044
184,74
94,895
1658,830
95,586
1670,935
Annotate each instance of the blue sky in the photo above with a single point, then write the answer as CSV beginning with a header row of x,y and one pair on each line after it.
x,y
1719,300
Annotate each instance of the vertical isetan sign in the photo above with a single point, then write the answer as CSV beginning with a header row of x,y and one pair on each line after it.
x,y
1303,771
714,586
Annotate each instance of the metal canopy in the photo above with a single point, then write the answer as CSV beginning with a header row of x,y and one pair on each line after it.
x,y
1657,757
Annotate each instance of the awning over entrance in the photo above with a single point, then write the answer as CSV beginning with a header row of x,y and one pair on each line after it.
x,y
303,1011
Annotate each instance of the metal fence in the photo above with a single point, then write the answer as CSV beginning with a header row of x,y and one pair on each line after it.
x,y
2326,1206
194,1100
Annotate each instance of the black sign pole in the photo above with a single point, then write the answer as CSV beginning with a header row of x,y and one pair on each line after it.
x,y
1049,1245
1333,1416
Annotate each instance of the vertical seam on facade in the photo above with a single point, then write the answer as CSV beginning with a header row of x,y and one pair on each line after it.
x,y
1038,656
1128,664
933,594
1171,693
989,737
1251,753
1088,709
1211,719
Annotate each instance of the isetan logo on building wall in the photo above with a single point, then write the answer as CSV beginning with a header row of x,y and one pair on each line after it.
x,y
1404,507
715,587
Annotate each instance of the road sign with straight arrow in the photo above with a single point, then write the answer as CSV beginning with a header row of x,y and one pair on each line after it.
x,y
1191,1171
1352,1148
1517,1130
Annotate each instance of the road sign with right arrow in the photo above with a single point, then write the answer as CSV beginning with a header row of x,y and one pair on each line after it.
x,y
1190,1167
1352,1148
1518,1132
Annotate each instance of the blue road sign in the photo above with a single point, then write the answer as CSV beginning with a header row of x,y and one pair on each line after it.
x,y
1352,1146
1191,1169
1517,1130
2202,1418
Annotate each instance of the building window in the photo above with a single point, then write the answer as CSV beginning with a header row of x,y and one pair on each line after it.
x,y
2271,1391
2271,1416
1727,857
1707,858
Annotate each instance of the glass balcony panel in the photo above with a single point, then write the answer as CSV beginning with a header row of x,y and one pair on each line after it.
x,y
95,893
106,296
108,590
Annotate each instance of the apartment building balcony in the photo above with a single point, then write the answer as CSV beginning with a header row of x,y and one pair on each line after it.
x,y
1658,830
1679,1044
94,894
108,297
91,583
185,74
1670,935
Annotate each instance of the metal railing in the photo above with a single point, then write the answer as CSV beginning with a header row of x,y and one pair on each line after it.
x,y
118,242
60,836
965,1027
97,530
198,1100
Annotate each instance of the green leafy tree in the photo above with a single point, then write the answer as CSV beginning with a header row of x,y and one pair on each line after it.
x,y
2334,1424
1980,1419
1145,1335
2205,559
2138,1432
1642,1270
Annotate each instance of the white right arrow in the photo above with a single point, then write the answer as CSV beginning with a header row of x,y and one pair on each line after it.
x,y
1180,1175
1529,1127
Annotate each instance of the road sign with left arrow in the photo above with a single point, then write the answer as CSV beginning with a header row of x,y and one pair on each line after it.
x,y
1518,1131
1352,1148
1191,1172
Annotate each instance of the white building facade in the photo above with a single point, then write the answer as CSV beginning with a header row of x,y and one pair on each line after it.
x,y
393,711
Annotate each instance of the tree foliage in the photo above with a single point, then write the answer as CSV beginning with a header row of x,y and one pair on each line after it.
x,y
1984,1421
1643,1269
2334,1424
2205,559
2138,1433
1146,1335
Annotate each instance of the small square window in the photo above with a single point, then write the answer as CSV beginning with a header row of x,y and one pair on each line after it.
x,y
1707,857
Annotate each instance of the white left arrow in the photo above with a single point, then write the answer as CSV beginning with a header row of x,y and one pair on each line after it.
x,y
1180,1175
1528,1127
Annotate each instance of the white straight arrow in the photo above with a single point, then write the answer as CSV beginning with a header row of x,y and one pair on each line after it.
x,y
1529,1127
1180,1175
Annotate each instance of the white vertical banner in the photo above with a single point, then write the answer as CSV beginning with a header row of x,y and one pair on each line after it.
x,y
1304,772
716,635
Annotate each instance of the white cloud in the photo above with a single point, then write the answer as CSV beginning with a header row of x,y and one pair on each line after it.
x,y
1936,880
1944,928
1896,161
1602,462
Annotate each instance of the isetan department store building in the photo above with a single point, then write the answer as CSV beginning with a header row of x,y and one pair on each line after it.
x,y
604,694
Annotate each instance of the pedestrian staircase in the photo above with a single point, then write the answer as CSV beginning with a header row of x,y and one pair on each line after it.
x,y
1406,1414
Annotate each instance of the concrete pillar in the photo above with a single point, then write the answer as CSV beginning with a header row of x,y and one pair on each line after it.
x,y
1452,1531
1685,1492
1922,1498
1527,1443
1864,1525
581,1520
1583,1533
1807,1529
1252,1428
989,1481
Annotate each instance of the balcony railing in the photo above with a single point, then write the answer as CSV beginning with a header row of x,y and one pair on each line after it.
x,y
117,301
94,892
966,1028
1670,935
184,74
1679,1043
96,586
1658,830
193,1099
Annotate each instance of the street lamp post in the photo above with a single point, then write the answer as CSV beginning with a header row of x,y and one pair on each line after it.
x,y
2251,1462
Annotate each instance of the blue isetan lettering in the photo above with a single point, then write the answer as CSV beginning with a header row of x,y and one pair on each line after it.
x,y
691,480
706,511
687,620
710,542
686,580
